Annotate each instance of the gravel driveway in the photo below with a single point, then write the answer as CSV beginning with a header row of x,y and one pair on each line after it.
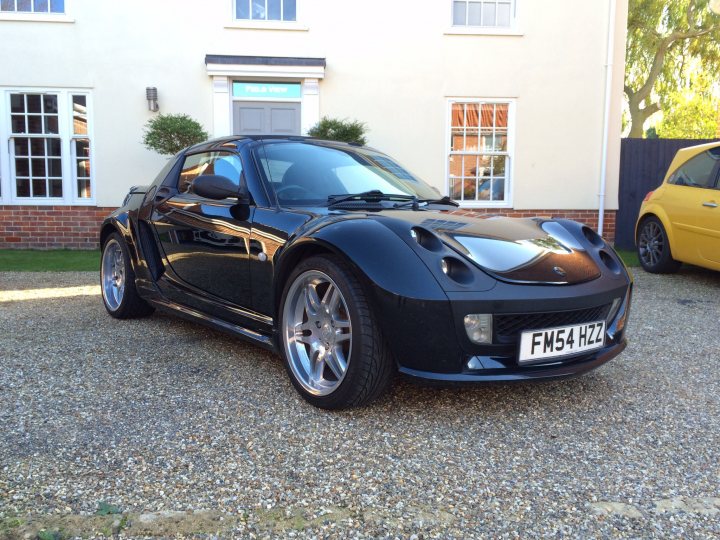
x,y
176,430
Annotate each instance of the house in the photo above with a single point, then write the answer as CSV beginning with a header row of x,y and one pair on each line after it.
x,y
512,107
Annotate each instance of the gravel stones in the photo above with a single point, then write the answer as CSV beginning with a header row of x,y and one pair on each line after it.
x,y
167,419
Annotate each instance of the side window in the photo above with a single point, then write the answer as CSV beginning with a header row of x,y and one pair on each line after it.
x,y
220,163
700,171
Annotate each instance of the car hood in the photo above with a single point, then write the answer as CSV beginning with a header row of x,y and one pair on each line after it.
x,y
526,250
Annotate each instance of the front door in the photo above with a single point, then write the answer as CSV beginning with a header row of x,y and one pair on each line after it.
x,y
266,118
206,241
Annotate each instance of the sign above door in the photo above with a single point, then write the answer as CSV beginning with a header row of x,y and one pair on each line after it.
x,y
255,90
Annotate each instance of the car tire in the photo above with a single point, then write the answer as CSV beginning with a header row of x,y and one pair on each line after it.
x,y
333,348
653,248
117,281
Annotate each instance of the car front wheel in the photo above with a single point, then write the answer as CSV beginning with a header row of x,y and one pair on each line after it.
x,y
333,349
653,248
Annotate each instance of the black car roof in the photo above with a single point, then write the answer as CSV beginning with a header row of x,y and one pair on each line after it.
x,y
240,140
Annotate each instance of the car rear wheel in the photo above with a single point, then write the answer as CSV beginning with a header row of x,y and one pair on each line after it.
x,y
653,248
117,281
333,350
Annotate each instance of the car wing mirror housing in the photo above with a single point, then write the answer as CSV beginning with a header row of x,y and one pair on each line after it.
x,y
216,187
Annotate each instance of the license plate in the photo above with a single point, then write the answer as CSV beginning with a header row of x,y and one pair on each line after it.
x,y
561,341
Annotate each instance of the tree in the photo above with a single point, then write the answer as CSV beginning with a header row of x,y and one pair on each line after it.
x,y
691,112
350,131
662,39
167,134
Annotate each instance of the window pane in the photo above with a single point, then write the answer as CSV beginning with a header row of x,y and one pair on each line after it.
x,y
53,147
258,9
22,167
501,115
22,187
39,187
455,189
50,104
474,14
457,140
488,14
37,147
469,189
82,148
487,118
57,6
7,5
17,103
35,124
471,140
33,103
455,166
56,188
51,124
84,189
40,6
54,167
38,167
242,9
289,10
83,168
459,13
273,10
24,5
498,165
458,115
504,14
472,112
18,123
21,147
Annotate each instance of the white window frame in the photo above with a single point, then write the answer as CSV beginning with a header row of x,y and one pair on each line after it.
x,y
31,16
509,167
67,137
258,24
512,30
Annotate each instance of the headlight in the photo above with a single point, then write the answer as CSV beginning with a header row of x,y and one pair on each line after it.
x,y
479,327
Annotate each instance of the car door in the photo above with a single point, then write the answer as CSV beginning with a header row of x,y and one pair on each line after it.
x,y
691,202
206,241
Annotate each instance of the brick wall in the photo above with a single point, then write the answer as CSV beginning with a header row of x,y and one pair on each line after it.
x,y
44,227
78,227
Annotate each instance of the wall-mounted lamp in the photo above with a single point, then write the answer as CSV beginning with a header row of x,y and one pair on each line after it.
x,y
152,98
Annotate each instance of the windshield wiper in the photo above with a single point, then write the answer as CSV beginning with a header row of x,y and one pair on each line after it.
x,y
373,195
415,202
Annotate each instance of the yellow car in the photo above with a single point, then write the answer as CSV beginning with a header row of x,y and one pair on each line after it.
x,y
679,222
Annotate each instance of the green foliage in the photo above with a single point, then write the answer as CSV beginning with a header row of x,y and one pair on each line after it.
x,y
666,42
167,134
50,535
55,260
691,113
333,129
105,509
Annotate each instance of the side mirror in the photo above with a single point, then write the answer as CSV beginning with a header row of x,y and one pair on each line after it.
x,y
213,186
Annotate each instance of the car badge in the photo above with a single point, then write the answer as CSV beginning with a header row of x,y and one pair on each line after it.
x,y
559,271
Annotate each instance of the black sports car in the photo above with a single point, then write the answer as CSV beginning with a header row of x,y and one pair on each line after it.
x,y
352,268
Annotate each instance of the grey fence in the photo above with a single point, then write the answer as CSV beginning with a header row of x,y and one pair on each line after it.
x,y
643,164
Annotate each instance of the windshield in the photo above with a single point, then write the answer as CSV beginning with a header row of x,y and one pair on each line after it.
x,y
307,173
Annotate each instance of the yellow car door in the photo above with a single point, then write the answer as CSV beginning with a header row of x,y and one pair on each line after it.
x,y
692,203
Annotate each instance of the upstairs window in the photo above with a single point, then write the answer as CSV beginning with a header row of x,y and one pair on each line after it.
x,y
485,14
32,6
266,10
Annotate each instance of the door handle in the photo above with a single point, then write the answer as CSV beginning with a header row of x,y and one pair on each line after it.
x,y
710,204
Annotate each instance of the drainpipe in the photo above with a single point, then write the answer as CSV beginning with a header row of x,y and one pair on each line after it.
x,y
606,120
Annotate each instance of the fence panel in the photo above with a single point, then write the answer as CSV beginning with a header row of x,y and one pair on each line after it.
x,y
643,164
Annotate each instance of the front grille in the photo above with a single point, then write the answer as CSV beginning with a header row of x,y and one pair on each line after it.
x,y
509,326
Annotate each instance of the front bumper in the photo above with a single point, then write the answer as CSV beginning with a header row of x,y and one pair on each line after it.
x,y
429,342
494,371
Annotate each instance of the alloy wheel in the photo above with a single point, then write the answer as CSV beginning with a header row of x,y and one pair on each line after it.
x,y
317,332
651,243
113,274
